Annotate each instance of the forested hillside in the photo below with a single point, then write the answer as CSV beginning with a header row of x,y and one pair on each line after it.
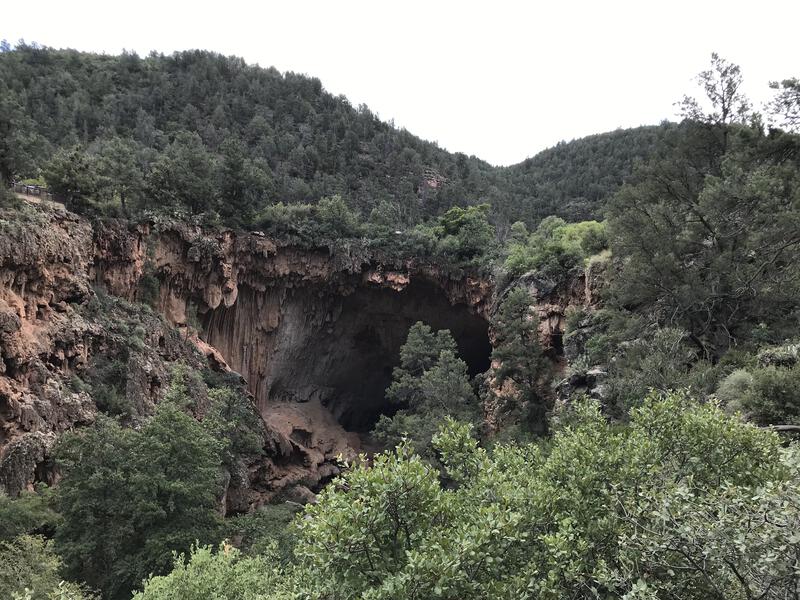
x,y
634,434
574,179
211,133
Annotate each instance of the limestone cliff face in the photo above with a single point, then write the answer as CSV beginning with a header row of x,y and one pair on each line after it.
x,y
314,333
44,257
55,329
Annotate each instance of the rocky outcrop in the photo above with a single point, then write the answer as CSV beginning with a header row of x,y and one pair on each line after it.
x,y
314,334
553,301
56,330
44,258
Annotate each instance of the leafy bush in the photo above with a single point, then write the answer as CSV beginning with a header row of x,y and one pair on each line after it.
x,y
207,574
555,248
521,523
336,218
683,502
734,388
148,287
765,395
573,318
107,378
467,232
780,356
29,513
31,570
265,531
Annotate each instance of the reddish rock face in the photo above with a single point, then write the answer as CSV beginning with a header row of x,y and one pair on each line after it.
x,y
315,334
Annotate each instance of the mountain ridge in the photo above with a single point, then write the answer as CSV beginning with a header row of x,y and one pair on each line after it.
x,y
281,136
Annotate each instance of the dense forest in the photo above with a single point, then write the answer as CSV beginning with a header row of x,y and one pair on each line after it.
x,y
212,134
662,463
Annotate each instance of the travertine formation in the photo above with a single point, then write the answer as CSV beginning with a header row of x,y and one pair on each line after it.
x,y
314,333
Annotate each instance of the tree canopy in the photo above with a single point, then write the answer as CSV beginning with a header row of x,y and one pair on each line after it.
x,y
130,497
212,134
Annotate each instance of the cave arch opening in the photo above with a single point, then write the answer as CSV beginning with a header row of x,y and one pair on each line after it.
x,y
374,324
338,351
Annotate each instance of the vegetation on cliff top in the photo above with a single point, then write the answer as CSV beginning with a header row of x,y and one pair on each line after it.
x,y
656,488
208,133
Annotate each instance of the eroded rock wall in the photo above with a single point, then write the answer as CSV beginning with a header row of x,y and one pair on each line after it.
x,y
44,257
314,333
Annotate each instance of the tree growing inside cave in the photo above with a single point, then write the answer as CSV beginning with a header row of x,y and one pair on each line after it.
x,y
430,384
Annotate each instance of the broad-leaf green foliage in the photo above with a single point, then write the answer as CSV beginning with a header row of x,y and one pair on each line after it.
x,y
767,393
555,249
265,530
521,360
733,542
313,224
430,384
466,231
31,570
684,502
461,238
360,539
207,574
130,497
30,512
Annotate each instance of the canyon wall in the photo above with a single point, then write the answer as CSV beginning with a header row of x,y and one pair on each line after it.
x,y
314,333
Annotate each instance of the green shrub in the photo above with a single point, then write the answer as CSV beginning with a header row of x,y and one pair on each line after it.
x,y
107,380
29,513
336,218
573,317
732,390
147,290
555,248
780,356
661,360
31,570
766,395
265,531
206,574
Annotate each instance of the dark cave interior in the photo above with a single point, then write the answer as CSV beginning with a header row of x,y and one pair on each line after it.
x,y
347,363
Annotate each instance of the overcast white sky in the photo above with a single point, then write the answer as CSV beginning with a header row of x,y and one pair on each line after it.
x,y
500,80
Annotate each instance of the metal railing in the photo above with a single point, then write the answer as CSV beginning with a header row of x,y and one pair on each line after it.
x,y
32,190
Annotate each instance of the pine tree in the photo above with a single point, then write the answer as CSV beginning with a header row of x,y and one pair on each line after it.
x,y
520,357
